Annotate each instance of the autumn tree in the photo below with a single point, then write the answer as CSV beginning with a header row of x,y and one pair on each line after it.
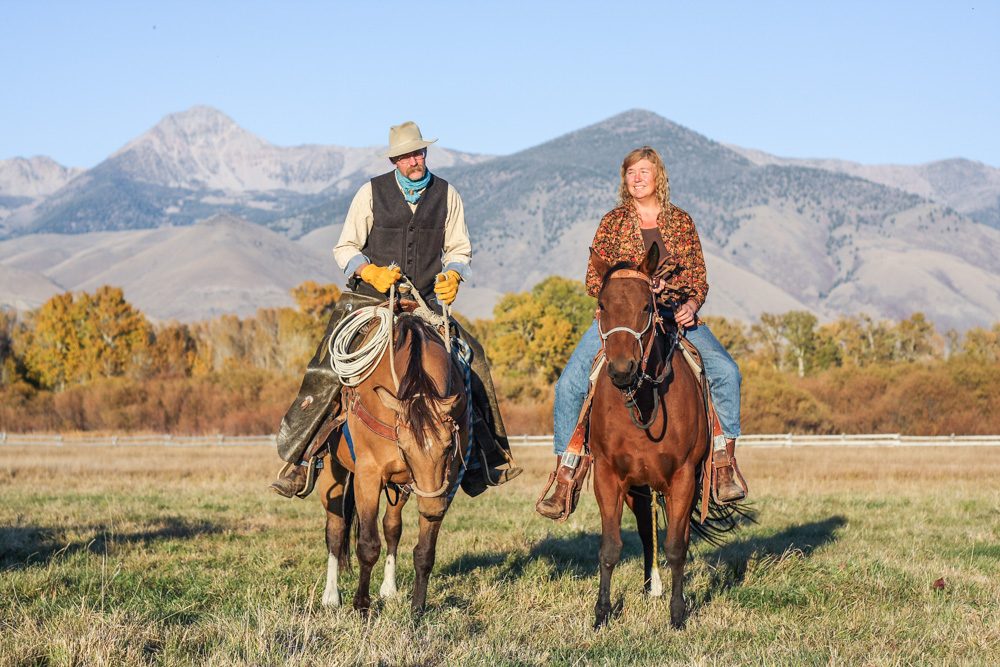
x,y
769,339
798,328
11,328
982,345
174,350
282,339
570,300
53,353
222,343
316,300
915,338
732,334
533,333
115,336
80,337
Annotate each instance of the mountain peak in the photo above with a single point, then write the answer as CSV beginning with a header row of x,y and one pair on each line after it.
x,y
637,115
199,126
33,176
199,147
637,119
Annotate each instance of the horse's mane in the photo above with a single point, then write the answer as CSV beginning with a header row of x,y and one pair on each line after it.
x,y
416,386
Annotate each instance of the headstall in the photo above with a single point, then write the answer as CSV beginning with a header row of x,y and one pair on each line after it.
x,y
653,322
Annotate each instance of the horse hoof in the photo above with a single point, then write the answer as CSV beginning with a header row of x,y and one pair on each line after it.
x,y
363,608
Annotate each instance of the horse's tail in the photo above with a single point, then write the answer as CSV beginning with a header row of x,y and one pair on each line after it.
x,y
721,519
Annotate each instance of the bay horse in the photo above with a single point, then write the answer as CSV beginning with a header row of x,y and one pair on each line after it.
x,y
414,438
649,429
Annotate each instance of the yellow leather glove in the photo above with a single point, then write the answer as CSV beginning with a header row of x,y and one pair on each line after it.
x,y
446,286
381,277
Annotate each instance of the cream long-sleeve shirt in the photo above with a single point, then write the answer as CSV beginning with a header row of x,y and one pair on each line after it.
x,y
456,253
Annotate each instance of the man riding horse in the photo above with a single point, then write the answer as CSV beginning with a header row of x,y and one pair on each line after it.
x,y
645,217
411,222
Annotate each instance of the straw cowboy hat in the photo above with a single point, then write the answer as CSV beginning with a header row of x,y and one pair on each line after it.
x,y
405,139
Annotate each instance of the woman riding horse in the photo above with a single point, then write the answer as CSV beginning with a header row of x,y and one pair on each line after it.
x,y
643,218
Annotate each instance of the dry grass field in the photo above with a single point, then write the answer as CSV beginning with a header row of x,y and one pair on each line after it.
x,y
177,556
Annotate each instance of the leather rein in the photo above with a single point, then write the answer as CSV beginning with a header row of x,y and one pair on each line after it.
x,y
654,322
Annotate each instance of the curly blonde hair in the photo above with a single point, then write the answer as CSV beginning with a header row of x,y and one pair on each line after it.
x,y
662,179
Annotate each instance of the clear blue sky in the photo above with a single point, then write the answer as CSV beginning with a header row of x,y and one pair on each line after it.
x,y
875,82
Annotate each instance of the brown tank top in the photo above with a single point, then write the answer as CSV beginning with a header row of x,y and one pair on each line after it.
x,y
651,236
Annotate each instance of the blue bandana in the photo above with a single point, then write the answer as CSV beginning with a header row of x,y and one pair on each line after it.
x,y
412,190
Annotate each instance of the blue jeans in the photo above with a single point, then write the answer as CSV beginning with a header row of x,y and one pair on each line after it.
x,y
571,390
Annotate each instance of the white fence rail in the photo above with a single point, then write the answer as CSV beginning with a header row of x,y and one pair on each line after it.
x,y
59,440
775,440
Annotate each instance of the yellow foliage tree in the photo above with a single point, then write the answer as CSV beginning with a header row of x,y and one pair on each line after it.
x,y
77,338
315,299
174,350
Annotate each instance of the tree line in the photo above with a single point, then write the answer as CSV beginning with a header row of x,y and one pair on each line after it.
x,y
84,362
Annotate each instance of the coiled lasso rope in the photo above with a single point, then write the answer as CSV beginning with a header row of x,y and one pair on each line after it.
x,y
354,367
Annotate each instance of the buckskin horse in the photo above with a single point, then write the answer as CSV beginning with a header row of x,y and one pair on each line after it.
x,y
413,439
649,431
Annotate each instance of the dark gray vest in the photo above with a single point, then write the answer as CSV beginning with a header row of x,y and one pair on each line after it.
x,y
414,241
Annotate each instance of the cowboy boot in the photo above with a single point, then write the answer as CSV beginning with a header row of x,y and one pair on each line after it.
x,y
568,476
291,480
726,488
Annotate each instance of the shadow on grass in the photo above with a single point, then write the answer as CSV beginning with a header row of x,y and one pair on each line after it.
x,y
27,546
575,554
731,560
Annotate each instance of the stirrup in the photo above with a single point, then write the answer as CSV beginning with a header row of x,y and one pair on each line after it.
x,y
573,480
315,463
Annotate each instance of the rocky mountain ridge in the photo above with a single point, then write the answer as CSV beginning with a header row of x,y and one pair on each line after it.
x,y
778,234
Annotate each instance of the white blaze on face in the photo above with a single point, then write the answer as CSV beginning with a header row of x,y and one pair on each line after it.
x,y
655,584
389,581
331,596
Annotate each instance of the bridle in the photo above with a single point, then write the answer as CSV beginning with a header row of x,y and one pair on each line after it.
x,y
654,322
452,455
391,432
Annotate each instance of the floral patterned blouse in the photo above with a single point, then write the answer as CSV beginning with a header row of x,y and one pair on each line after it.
x,y
619,238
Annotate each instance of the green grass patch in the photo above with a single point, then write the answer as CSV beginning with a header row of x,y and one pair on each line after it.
x,y
163,560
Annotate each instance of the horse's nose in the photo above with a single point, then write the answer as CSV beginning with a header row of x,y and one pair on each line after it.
x,y
622,373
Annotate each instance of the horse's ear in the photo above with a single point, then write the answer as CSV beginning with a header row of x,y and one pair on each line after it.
x,y
598,263
652,260
388,400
